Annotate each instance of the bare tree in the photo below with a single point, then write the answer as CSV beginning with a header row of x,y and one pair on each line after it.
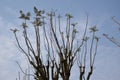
x,y
59,43
112,39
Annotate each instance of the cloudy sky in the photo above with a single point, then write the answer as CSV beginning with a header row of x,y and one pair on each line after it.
x,y
107,65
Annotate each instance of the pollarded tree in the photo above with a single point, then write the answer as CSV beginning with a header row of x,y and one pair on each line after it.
x,y
56,47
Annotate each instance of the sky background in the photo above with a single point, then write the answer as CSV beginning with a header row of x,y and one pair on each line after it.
x,y
107,65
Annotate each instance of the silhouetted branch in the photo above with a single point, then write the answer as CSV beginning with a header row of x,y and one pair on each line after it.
x,y
112,40
60,45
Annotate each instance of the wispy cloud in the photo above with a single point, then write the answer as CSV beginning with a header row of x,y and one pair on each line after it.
x,y
107,62
8,53
11,11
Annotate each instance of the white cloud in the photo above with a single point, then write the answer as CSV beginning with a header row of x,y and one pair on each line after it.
x,y
107,58
8,53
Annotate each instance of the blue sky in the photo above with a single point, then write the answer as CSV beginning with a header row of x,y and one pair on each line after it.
x,y
107,66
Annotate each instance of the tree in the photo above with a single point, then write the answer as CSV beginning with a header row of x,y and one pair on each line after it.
x,y
112,39
60,44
